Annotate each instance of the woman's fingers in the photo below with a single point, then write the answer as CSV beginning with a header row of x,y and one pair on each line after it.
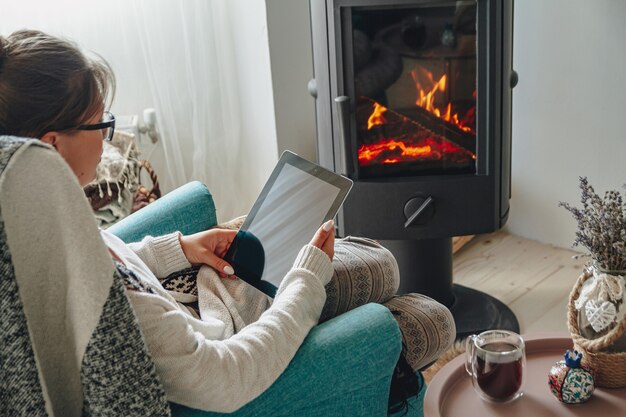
x,y
325,238
329,244
226,237
221,266
210,247
322,234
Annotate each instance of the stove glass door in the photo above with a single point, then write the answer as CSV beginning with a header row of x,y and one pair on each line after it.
x,y
415,89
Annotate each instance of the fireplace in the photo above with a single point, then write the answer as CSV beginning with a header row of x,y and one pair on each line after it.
x,y
413,103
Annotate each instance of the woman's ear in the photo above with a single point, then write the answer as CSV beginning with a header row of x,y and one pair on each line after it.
x,y
50,138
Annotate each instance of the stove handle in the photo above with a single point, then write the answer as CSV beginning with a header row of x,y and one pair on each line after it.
x,y
423,212
343,115
514,78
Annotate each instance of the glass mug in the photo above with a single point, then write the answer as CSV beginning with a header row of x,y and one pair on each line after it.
x,y
495,360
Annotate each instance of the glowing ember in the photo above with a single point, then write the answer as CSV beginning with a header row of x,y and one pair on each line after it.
x,y
376,117
368,153
393,151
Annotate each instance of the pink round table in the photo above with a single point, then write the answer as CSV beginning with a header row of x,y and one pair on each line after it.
x,y
450,393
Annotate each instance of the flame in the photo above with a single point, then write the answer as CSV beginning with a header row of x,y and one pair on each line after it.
x,y
376,118
426,99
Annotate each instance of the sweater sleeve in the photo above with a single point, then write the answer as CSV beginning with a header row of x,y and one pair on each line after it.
x,y
162,254
224,375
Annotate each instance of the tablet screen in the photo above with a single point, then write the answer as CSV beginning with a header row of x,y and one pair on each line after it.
x,y
292,211
298,197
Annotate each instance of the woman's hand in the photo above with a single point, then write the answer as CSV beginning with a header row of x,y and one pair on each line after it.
x,y
325,238
209,247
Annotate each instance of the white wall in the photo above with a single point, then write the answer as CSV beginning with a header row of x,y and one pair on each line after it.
x,y
292,67
258,124
569,110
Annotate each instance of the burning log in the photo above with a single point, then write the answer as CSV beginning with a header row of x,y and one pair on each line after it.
x,y
392,140
443,128
415,121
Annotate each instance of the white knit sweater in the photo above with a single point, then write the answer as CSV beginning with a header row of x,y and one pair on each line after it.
x,y
220,363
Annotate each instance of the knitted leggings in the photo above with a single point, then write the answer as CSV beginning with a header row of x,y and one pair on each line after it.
x,y
365,272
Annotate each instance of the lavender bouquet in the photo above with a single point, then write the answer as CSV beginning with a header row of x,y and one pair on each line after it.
x,y
601,226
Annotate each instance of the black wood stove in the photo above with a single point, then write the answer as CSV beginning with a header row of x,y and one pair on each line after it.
x,y
413,103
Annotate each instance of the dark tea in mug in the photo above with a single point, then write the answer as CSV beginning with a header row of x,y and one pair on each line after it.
x,y
495,359
499,377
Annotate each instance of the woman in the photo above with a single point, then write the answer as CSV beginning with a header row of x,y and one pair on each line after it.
x,y
238,344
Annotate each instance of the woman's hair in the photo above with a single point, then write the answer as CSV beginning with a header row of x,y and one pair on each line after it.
x,y
48,84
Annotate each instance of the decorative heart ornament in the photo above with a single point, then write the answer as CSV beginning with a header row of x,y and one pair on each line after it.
x,y
600,314
602,287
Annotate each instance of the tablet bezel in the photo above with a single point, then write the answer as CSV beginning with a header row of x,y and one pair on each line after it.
x,y
342,183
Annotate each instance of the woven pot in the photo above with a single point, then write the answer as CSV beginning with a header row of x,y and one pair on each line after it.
x,y
609,368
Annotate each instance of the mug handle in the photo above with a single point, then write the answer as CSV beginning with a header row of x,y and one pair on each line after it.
x,y
469,353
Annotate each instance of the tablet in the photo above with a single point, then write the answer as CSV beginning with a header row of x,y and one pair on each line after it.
x,y
297,199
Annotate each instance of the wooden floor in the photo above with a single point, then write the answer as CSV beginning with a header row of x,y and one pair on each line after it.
x,y
532,278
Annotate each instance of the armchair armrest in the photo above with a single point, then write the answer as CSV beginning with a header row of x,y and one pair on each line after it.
x,y
344,367
188,209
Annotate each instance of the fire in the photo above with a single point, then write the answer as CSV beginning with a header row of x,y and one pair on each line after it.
x,y
376,118
394,138
426,99
368,153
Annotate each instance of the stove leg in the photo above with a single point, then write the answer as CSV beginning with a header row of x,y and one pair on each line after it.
x,y
426,268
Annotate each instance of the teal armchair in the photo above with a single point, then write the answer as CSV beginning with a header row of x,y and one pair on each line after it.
x,y
344,366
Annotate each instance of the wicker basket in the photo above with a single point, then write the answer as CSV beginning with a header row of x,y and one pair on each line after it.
x,y
145,196
609,369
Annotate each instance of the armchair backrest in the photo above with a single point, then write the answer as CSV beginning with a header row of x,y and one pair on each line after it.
x,y
187,209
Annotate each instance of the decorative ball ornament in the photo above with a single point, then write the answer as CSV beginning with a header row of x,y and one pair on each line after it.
x,y
570,382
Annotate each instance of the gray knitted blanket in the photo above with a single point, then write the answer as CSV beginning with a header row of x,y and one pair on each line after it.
x,y
118,377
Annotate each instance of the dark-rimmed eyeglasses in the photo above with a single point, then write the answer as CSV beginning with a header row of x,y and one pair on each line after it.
x,y
107,125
